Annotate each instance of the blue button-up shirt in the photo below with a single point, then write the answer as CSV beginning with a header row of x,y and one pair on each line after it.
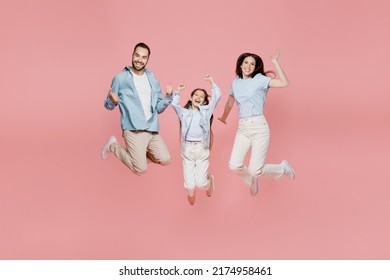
x,y
132,113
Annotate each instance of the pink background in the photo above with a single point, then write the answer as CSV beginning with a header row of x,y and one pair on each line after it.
x,y
59,200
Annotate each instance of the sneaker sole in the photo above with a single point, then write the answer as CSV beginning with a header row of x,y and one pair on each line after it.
x,y
103,154
289,166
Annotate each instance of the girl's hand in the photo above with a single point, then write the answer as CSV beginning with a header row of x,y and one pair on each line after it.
x,y
275,56
169,89
209,78
180,87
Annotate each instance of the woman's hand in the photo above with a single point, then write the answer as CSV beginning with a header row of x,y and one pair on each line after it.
x,y
282,81
222,120
275,56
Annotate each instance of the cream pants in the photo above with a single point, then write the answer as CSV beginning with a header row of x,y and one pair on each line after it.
x,y
195,160
253,133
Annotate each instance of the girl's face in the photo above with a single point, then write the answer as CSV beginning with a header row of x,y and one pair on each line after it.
x,y
247,67
197,98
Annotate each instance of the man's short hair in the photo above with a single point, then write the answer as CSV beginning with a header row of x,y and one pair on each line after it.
x,y
142,45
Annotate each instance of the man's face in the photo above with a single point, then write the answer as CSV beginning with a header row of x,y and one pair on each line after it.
x,y
140,58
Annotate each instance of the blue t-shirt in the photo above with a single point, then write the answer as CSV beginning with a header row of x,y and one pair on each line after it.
x,y
250,94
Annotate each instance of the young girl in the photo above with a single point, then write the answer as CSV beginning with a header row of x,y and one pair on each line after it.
x,y
195,121
249,89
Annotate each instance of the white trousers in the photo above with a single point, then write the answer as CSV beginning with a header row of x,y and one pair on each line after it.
x,y
195,160
253,133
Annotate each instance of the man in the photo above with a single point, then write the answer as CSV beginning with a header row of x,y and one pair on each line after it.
x,y
137,93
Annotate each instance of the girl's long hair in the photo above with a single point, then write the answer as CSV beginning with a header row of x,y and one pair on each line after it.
x,y
206,102
259,67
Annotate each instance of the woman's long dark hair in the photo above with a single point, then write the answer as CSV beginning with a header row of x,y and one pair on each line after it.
x,y
259,67
206,102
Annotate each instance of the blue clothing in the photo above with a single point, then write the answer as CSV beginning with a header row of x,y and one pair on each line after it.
x,y
250,94
206,111
130,106
195,131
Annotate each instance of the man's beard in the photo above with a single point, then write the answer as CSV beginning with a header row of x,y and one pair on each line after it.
x,y
138,68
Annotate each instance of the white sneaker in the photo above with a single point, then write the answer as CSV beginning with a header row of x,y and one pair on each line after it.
x,y
254,186
288,171
106,148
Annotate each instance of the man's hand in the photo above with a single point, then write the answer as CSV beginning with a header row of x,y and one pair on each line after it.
x,y
169,89
113,96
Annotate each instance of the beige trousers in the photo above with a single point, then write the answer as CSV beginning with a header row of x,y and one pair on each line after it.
x,y
253,133
140,146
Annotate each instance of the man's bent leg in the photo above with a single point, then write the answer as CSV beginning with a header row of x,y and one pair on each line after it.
x,y
134,155
158,151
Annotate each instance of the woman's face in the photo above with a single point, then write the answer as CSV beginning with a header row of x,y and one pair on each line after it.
x,y
197,98
247,67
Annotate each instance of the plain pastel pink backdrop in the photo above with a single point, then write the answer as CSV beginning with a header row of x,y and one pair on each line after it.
x,y
59,200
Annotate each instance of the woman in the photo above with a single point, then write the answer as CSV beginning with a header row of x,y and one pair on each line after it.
x,y
249,89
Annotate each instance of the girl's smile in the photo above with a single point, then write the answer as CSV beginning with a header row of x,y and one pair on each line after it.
x,y
197,98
